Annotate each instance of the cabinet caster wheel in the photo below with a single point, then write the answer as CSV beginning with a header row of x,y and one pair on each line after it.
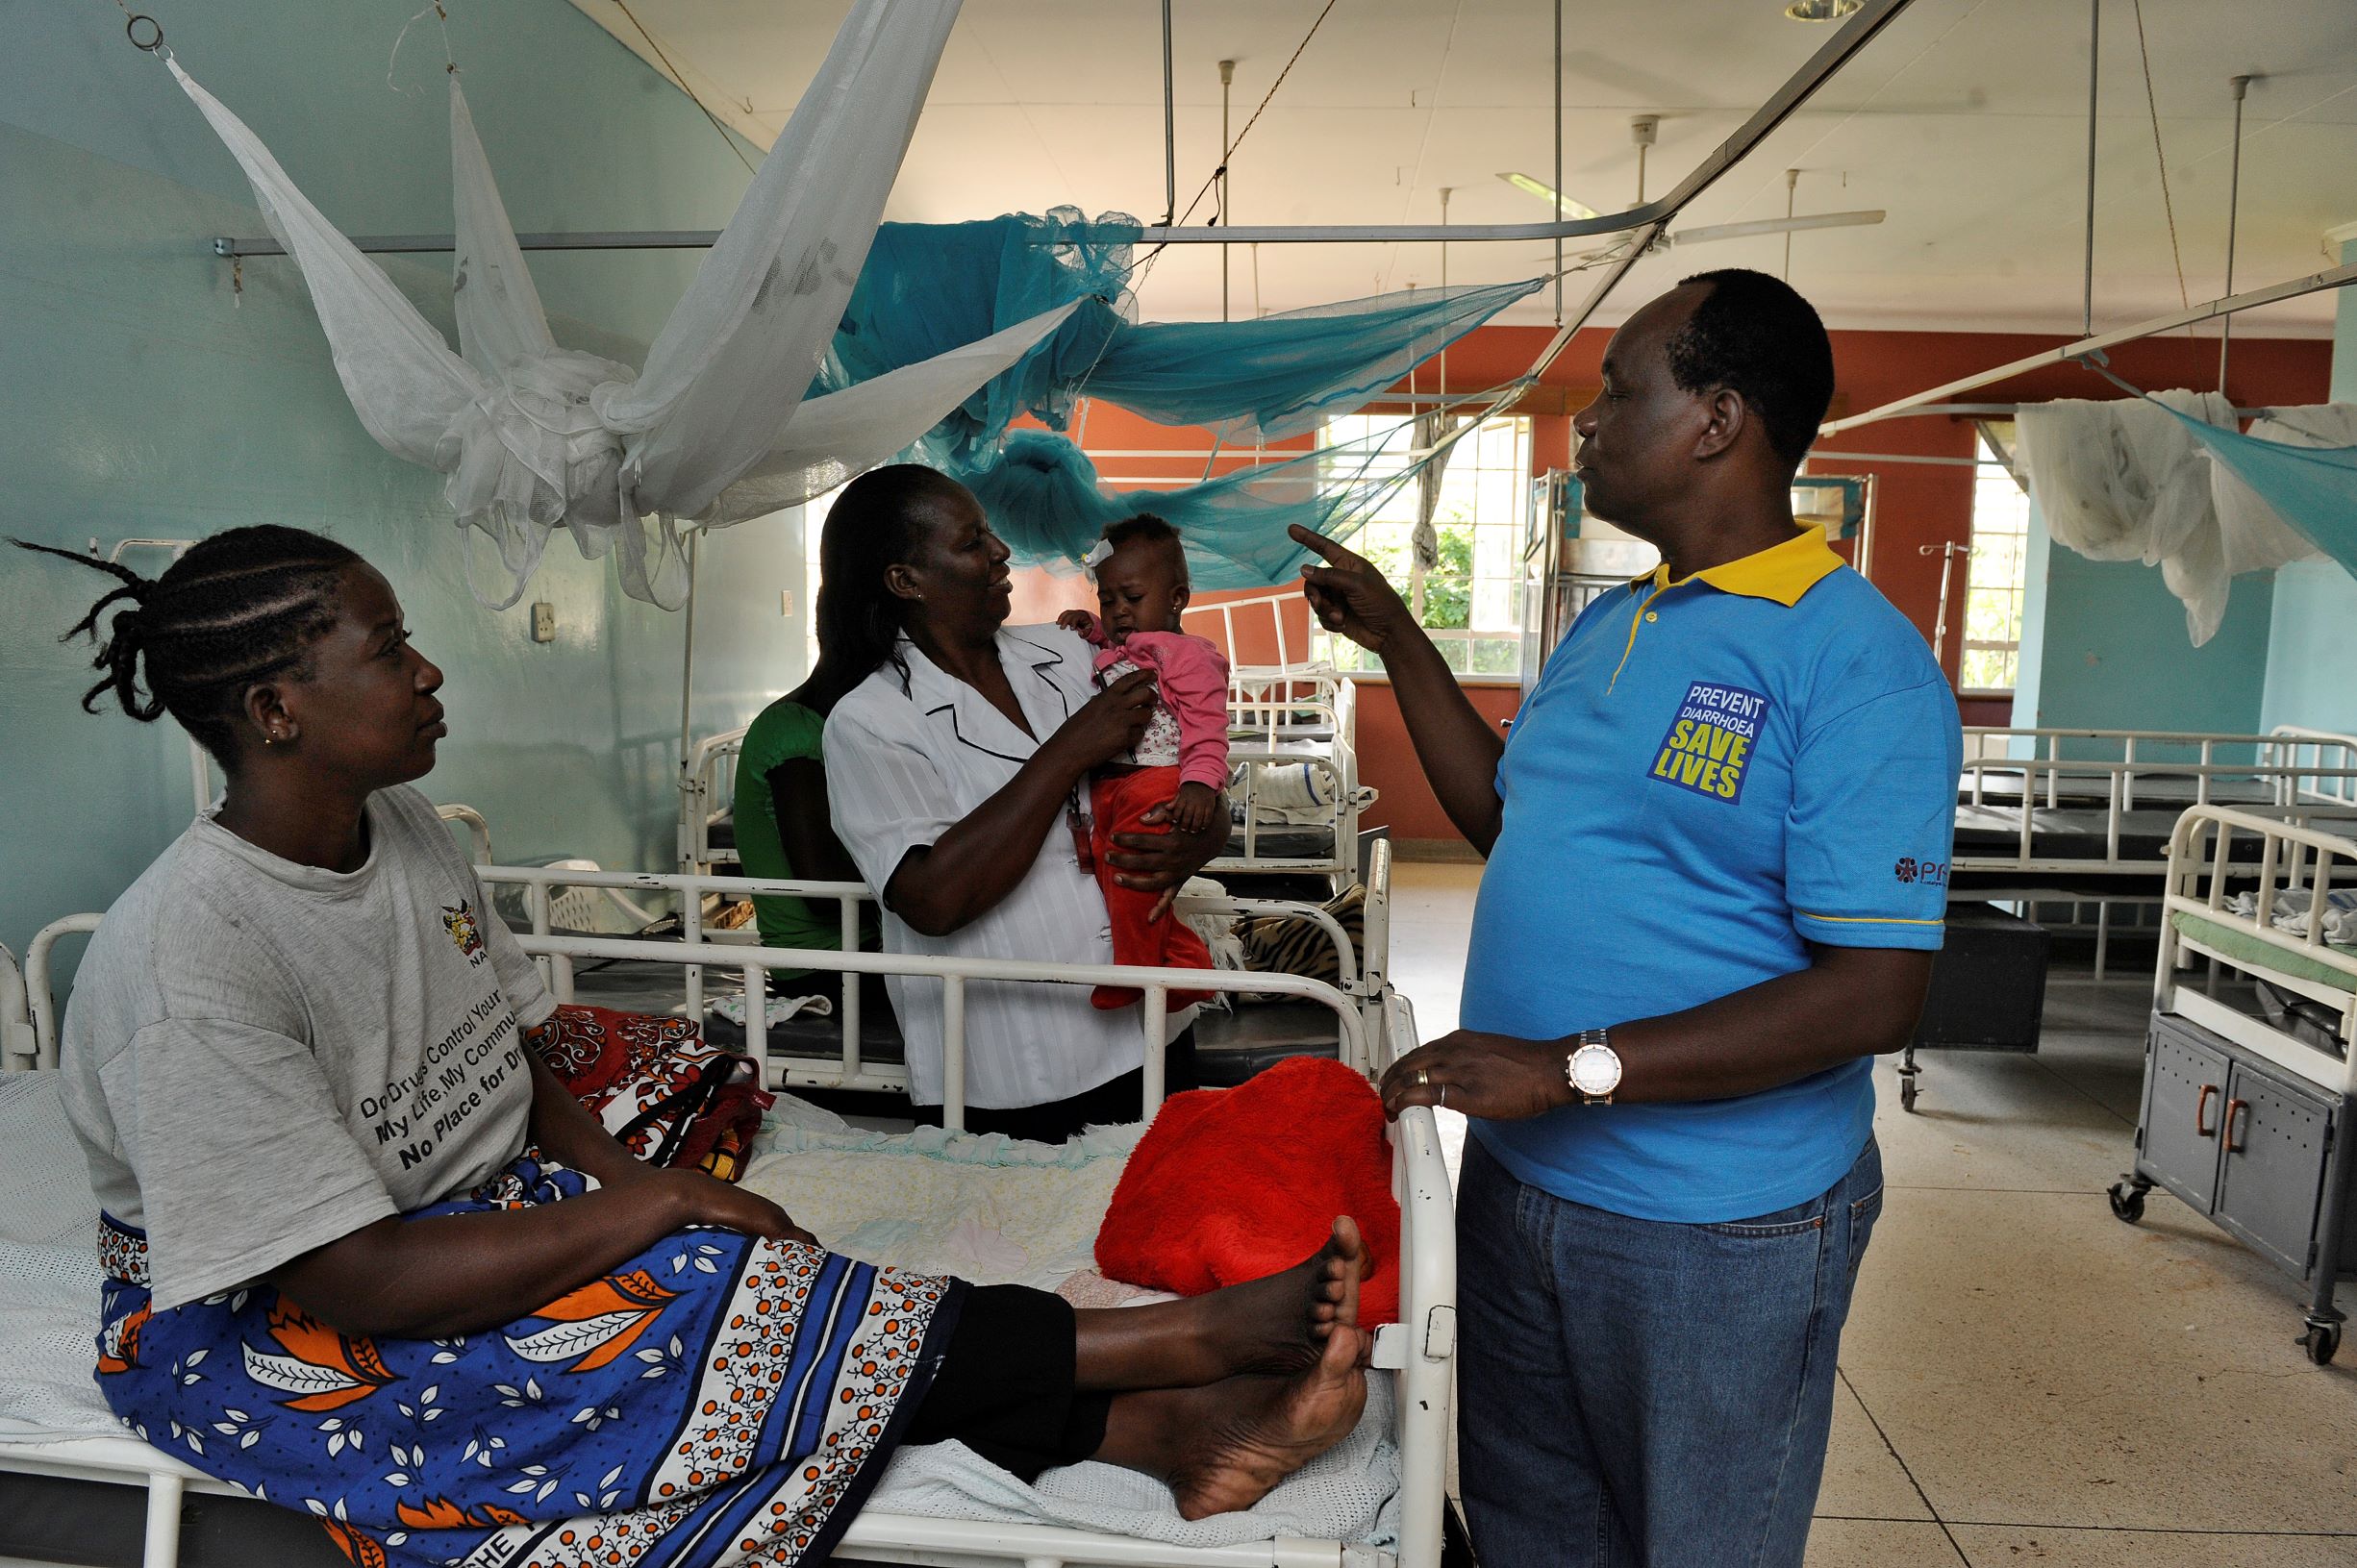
x,y
1906,1095
2320,1343
2127,1202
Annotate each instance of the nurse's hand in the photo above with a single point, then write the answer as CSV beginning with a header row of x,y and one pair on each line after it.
x,y
1349,595
1163,861
1492,1076
1109,723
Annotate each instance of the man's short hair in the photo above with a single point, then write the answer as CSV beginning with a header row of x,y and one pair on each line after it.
x,y
1755,336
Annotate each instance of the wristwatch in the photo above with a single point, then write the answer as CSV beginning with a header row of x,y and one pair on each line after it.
x,y
1594,1068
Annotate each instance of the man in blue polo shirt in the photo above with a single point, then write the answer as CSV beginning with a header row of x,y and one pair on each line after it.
x,y
1718,846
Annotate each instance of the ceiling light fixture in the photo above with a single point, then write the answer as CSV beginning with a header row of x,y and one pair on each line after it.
x,y
1774,225
1822,11
1546,192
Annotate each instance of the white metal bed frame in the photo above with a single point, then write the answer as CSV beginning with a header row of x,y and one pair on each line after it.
x,y
2310,771
1420,1348
708,786
1358,999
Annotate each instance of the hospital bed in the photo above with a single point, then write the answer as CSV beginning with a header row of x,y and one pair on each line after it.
x,y
2246,1108
1418,1352
1295,786
2081,817
2061,822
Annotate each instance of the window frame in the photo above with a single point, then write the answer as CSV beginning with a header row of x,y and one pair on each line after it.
x,y
1510,535
1989,465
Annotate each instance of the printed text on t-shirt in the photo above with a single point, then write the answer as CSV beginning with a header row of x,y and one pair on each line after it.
x,y
1710,744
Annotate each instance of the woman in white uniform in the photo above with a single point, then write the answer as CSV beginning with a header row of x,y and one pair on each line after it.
x,y
954,774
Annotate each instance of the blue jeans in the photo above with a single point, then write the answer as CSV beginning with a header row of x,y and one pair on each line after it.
x,y
1635,1392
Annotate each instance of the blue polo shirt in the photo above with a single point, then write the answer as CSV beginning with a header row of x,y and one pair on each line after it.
x,y
1711,774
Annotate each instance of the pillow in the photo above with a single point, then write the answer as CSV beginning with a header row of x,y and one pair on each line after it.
x,y
1234,1185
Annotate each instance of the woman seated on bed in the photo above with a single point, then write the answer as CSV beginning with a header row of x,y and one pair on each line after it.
x,y
956,771
367,1257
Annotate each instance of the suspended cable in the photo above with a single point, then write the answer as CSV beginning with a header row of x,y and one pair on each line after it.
x,y
681,77
2168,206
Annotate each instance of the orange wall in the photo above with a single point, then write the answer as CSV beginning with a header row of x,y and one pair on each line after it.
x,y
1914,505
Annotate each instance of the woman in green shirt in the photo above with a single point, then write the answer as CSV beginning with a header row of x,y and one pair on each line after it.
x,y
782,828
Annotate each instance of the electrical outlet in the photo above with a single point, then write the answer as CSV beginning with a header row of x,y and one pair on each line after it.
x,y
786,603
543,621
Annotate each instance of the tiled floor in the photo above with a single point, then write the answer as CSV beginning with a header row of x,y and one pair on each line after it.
x,y
2024,1378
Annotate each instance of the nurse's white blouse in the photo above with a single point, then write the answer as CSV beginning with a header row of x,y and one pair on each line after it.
x,y
905,763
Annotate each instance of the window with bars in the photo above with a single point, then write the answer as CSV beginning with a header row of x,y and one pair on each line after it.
x,y
1998,574
1473,598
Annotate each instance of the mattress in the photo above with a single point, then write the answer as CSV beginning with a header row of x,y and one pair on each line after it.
x,y
988,1208
2067,832
2178,791
2247,951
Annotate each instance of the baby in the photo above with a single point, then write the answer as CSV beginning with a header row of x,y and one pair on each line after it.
x,y
1180,761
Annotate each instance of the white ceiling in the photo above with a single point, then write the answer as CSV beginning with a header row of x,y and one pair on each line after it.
x,y
1966,120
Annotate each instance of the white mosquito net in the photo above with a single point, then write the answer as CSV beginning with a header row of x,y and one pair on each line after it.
x,y
715,427
2125,480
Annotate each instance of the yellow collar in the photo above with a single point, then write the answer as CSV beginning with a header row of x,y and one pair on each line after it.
x,y
1781,572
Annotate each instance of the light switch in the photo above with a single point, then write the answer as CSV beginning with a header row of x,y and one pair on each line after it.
x,y
543,621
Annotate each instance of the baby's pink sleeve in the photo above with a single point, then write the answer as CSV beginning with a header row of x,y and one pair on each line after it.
x,y
1092,633
1194,680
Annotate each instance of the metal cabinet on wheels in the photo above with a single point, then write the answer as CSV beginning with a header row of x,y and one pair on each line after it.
x,y
2253,1148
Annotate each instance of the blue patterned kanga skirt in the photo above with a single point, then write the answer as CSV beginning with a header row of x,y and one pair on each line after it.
x,y
715,1400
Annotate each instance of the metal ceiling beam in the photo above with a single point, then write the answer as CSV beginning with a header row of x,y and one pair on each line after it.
x,y
2339,277
1837,51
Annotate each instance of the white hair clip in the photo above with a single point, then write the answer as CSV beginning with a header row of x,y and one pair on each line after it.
x,y
1095,559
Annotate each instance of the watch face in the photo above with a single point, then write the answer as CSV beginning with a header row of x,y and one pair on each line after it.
x,y
1596,1069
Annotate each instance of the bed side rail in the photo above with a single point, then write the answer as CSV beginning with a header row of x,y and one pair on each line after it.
x,y
955,974
2314,755
1422,1346
478,828
19,1047
707,790
2294,859
40,998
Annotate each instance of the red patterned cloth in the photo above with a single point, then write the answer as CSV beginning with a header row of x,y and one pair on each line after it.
x,y
668,1096
1234,1185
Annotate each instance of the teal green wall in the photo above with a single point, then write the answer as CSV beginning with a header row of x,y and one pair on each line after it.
x,y
141,397
2316,602
2104,647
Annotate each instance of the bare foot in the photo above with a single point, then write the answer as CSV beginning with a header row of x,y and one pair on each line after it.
x,y
1276,1426
1279,1325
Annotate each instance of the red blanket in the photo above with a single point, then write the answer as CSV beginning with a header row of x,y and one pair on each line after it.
x,y
1232,1185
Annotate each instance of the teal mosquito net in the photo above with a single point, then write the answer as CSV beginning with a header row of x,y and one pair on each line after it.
x,y
930,287
1043,499
2313,489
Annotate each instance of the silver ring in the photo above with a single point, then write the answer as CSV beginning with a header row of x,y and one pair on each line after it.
x,y
1422,1078
1444,1094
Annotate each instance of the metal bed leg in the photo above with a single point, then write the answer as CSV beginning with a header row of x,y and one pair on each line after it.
x,y
163,1545
1908,1072
2322,1336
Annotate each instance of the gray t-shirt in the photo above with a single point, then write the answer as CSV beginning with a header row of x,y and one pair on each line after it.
x,y
261,1056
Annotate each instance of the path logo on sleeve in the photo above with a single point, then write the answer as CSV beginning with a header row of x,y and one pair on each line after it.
x,y
459,920
1710,744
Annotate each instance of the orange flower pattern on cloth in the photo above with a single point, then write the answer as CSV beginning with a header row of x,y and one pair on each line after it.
x,y
715,1400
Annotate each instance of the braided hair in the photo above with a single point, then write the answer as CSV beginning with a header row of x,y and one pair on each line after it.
x,y
241,606
874,525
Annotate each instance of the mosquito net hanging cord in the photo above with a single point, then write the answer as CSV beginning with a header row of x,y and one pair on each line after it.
x,y
680,77
450,59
